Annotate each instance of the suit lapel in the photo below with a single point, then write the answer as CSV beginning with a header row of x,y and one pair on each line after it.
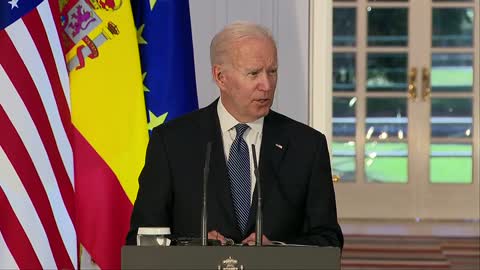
x,y
272,151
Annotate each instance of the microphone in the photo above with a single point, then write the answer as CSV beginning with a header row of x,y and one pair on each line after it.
x,y
206,170
258,224
203,240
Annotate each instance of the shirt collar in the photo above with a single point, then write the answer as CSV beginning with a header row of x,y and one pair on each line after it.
x,y
227,121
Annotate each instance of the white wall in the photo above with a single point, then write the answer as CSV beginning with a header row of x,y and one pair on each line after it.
x,y
287,19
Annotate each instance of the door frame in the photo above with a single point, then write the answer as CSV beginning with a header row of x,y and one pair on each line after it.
x,y
370,200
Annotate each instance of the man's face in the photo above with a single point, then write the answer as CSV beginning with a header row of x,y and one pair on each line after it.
x,y
247,83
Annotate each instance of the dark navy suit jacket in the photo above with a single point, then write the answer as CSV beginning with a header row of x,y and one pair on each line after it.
x,y
298,196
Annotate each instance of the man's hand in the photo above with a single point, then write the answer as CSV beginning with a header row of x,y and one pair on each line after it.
x,y
214,235
250,240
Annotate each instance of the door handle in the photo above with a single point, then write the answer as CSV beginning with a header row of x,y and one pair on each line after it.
x,y
426,90
412,89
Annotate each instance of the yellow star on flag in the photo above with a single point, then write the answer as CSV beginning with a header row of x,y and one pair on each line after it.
x,y
140,38
152,3
145,88
156,121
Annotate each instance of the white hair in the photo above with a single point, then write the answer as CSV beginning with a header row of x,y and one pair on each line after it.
x,y
222,42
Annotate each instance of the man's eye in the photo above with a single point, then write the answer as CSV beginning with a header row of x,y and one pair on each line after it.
x,y
273,71
253,73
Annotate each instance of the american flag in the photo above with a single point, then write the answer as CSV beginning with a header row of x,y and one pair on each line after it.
x,y
36,162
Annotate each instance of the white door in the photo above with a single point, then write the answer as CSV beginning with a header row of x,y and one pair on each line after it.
x,y
406,109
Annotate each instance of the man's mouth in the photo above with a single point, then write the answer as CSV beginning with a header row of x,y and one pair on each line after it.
x,y
263,101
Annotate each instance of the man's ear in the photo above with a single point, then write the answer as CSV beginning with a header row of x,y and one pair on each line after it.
x,y
218,75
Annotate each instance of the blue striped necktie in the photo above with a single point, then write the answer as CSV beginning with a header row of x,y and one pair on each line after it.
x,y
239,173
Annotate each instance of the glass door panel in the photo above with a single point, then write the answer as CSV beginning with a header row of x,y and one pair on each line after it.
x,y
451,118
344,72
344,26
344,116
451,163
387,72
386,162
396,34
386,118
452,72
452,27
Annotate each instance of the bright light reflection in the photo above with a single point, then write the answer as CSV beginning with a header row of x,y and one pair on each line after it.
x,y
470,14
351,143
400,134
383,135
372,155
468,132
370,132
369,162
352,101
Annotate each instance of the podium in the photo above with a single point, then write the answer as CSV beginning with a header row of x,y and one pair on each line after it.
x,y
230,257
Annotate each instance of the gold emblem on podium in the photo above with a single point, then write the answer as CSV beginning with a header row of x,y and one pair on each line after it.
x,y
230,264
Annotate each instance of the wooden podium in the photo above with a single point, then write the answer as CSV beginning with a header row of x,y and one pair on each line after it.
x,y
230,257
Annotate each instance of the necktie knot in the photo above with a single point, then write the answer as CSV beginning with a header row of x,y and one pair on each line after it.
x,y
241,128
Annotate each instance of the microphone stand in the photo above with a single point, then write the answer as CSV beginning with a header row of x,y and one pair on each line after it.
x,y
258,224
206,170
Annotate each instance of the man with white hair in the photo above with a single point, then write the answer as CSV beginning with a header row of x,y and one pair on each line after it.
x,y
294,167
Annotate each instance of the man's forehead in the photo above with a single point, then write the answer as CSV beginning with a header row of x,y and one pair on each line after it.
x,y
249,43
251,50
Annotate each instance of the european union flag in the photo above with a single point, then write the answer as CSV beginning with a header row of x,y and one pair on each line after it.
x,y
165,41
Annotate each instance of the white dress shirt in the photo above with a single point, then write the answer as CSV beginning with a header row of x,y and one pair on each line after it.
x,y
253,135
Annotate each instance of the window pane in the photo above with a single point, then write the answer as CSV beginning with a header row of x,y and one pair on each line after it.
x,y
344,116
387,72
344,24
451,117
386,162
343,163
451,163
452,72
452,27
386,118
343,72
396,34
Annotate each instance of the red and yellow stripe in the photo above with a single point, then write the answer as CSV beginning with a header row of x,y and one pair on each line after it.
x,y
110,138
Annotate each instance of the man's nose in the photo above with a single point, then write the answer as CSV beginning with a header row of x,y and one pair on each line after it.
x,y
266,82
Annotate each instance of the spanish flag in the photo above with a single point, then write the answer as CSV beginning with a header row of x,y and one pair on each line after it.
x,y
108,113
